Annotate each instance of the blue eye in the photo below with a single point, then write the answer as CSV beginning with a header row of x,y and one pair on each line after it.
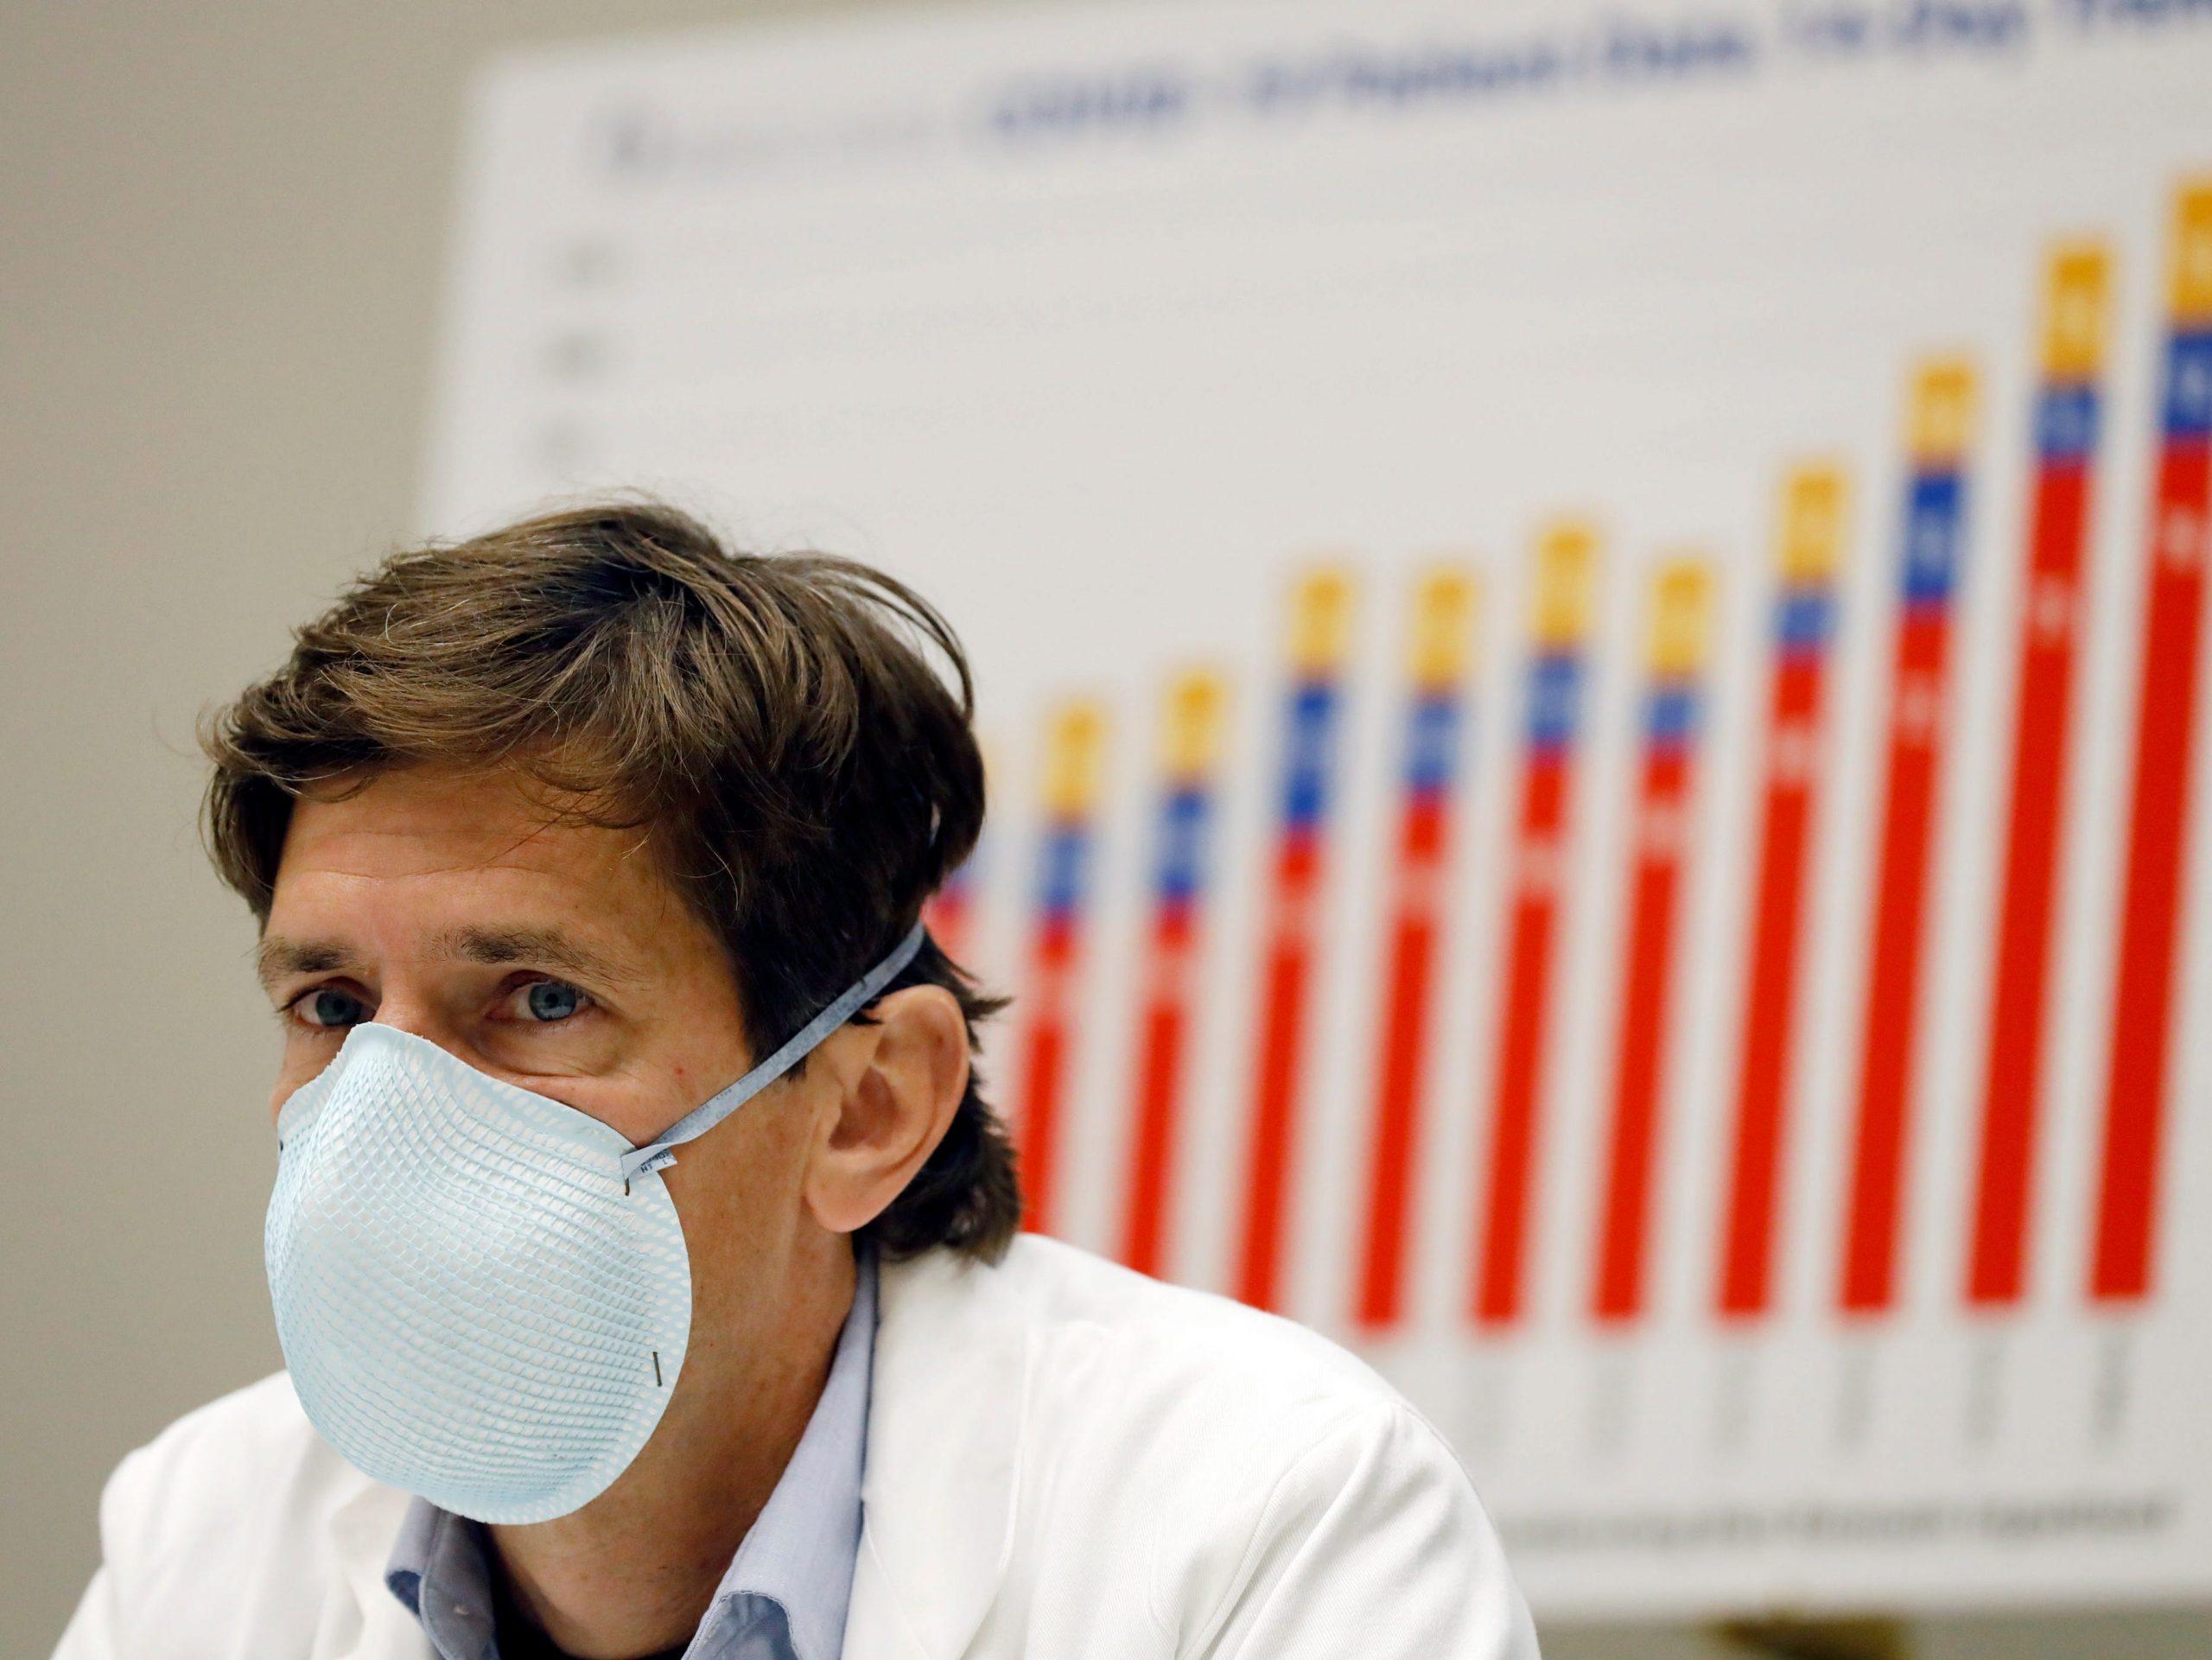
x,y
552,1000
330,1007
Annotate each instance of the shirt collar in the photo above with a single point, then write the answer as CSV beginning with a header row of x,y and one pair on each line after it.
x,y
801,1552
798,1554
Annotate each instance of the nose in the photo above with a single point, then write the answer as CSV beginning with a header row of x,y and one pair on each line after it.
x,y
421,1018
413,1019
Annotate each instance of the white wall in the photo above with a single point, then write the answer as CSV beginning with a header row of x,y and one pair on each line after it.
x,y
223,232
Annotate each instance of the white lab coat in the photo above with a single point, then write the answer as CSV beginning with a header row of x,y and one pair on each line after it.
x,y
1064,1459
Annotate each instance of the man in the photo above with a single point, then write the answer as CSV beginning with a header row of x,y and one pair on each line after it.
x,y
644,1256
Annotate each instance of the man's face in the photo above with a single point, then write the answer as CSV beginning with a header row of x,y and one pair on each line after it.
x,y
555,955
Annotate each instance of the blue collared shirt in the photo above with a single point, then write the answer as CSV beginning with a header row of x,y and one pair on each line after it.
x,y
785,1593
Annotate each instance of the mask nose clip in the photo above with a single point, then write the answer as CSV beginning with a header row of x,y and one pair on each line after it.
x,y
643,1161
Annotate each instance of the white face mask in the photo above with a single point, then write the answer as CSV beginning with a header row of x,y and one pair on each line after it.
x,y
483,1295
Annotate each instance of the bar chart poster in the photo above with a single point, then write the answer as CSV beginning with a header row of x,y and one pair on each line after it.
x,y
1590,627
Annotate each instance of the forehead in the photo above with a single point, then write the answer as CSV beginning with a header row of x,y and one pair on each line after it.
x,y
462,844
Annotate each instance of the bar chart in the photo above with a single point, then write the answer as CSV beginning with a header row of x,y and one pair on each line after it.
x,y
1311,716
1809,537
2065,438
1191,756
1591,629
1049,1022
1434,741
1681,599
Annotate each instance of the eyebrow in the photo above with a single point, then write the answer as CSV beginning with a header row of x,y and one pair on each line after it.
x,y
275,958
548,947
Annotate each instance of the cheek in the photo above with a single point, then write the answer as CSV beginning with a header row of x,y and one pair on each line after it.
x,y
638,1114
730,1186
737,1192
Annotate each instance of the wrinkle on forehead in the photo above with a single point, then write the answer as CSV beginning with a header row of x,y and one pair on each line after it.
x,y
419,824
506,808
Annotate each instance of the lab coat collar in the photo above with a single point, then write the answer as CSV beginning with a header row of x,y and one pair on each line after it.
x,y
945,1427
368,1622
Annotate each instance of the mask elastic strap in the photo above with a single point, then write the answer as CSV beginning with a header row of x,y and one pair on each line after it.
x,y
660,1154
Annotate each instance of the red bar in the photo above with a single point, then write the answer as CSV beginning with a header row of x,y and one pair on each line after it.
x,y
1618,1294
1498,1293
946,914
2127,1194
1159,1071
2012,1094
1044,1068
1282,1023
1893,986
1404,1067
1770,991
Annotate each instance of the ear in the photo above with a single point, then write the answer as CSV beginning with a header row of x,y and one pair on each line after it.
x,y
898,1083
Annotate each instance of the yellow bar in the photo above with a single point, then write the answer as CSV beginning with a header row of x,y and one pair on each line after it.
x,y
1566,570
2192,252
1443,631
1943,418
1815,501
1074,759
2076,290
1680,616
1192,725
1320,620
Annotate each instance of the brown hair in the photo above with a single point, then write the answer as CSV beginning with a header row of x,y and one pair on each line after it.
x,y
774,723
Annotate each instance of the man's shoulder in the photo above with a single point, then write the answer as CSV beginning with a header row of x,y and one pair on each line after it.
x,y
258,1426
1072,1293
1112,1348
232,1470
1182,1465
232,1532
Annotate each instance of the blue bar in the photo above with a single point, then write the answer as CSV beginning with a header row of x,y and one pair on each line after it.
x,y
1804,617
2189,385
2066,421
1934,510
1064,868
1183,818
1432,741
1307,758
1670,713
1555,699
